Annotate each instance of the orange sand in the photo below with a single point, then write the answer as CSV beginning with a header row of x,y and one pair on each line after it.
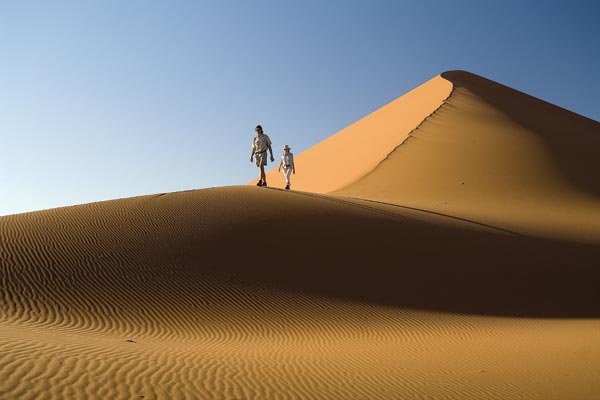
x,y
403,284
498,156
351,153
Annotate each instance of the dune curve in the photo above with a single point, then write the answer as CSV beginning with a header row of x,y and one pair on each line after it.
x,y
426,269
496,155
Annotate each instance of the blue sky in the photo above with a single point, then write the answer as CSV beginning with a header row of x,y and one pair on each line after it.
x,y
109,99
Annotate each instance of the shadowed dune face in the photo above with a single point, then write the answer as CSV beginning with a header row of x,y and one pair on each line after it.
x,y
116,257
495,155
247,292
358,255
572,140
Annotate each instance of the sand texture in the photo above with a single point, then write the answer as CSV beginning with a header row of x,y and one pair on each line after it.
x,y
365,286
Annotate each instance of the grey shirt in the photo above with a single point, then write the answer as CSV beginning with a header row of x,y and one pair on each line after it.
x,y
260,143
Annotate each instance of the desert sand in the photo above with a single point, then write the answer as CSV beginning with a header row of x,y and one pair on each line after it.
x,y
457,257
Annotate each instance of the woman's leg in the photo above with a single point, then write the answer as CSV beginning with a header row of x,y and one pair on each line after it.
x,y
287,173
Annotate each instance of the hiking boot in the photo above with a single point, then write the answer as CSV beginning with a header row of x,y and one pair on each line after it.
x,y
287,187
260,183
264,184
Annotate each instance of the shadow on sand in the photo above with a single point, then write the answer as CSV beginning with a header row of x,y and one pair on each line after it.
x,y
415,265
573,139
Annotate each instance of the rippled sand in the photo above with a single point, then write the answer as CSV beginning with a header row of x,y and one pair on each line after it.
x,y
378,290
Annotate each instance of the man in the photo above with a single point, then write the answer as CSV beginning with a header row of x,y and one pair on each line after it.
x,y
260,144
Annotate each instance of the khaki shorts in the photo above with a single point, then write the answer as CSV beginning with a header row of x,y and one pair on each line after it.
x,y
261,158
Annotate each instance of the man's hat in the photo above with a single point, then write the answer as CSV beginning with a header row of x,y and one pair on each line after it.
x,y
286,147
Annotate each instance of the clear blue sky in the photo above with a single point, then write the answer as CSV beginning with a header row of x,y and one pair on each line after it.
x,y
108,99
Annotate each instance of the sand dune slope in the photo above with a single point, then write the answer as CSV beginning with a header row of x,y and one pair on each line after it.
x,y
190,295
354,151
499,156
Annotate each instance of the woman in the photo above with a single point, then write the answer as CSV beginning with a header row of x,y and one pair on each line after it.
x,y
287,163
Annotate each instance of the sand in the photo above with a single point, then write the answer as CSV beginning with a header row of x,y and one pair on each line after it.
x,y
340,160
369,292
499,156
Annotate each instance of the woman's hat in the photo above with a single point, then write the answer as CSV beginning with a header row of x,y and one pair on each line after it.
x,y
286,147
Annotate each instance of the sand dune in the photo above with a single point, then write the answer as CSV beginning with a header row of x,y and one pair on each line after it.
x,y
482,151
351,153
367,307
373,292
499,156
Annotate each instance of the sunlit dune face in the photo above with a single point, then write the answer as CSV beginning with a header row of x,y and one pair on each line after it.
x,y
354,151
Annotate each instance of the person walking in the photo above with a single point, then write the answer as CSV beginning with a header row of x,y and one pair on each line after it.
x,y
260,144
287,163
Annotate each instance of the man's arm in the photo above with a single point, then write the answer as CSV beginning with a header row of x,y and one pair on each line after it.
x,y
252,154
271,151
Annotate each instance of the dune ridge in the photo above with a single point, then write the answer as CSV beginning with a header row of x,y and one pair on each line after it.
x,y
370,285
498,156
356,149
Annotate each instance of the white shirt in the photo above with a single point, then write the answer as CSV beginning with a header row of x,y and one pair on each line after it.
x,y
287,159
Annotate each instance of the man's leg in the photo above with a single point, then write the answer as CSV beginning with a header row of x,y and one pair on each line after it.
x,y
262,173
260,181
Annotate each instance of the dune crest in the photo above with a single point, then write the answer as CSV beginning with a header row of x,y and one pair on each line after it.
x,y
349,154
496,155
464,145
